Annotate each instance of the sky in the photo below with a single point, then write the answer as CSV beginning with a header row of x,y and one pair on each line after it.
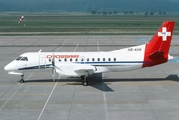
x,y
88,5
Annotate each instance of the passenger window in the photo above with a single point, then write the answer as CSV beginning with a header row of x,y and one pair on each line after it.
x,y
71,59
98,59
76,59
65,59
49,60
82,59
103,59
114,59
92,59
59,60
109,59
87,59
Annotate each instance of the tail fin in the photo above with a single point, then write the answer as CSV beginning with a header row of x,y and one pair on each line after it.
x,y
157,49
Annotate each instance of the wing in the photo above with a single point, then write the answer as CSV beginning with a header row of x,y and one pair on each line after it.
x,y
86,71
75,69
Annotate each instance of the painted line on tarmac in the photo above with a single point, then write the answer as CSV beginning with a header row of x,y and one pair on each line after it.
x,y
174,46
105,103
48,98
98,46
76,47
15,92
60,46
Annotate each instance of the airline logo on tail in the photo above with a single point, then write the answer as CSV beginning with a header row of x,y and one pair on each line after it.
x,y
157,49
164,34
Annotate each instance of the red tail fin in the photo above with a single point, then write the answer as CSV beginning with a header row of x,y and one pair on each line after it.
x,y
156,51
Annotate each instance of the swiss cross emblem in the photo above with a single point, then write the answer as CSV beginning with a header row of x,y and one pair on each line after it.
x,y
164,34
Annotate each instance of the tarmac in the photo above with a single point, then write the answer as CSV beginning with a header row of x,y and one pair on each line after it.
x,y
145,94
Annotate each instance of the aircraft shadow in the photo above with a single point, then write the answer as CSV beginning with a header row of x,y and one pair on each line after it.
x,y
101,84
172,77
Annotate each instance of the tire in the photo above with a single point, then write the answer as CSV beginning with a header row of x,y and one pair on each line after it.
x,y
21,81
85,83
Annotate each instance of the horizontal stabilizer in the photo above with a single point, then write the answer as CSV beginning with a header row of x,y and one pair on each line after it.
x,y
157,49
157,55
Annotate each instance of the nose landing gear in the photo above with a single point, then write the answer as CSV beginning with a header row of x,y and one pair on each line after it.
x,y
18,73
22,79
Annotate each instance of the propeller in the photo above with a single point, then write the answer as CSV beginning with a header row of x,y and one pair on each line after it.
x,y
53,68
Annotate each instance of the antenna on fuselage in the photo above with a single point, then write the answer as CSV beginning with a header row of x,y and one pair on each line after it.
x,y
39,50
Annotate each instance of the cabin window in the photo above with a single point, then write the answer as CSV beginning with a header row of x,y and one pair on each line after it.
x,y
92,59
49,60
87,59
109,59
103,59
71,59
114,59
76,59
65,59
98,59
59,60
82,59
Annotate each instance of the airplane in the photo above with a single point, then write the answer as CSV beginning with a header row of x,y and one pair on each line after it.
x,y
84,64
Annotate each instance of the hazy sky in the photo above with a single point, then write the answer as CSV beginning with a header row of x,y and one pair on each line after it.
x,y
88,5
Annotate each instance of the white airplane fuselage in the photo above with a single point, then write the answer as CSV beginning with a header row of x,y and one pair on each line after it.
x,y
67,62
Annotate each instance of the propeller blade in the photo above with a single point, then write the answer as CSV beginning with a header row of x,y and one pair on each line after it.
x,y
53,74
53,68
53,60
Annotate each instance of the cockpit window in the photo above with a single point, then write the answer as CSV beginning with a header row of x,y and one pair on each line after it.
x,y
24,59
20,58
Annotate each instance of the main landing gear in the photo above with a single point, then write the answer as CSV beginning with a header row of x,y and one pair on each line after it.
x,y
84,81
22,79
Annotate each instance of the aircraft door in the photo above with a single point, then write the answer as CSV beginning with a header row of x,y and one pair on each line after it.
x,y
42,61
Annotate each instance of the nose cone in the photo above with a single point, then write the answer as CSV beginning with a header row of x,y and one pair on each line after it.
x,y
11,66
6,67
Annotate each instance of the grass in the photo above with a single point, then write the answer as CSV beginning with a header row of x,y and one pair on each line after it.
x,y
54,24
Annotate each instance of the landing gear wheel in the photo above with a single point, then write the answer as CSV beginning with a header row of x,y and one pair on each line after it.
x,y
85,83
21,80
